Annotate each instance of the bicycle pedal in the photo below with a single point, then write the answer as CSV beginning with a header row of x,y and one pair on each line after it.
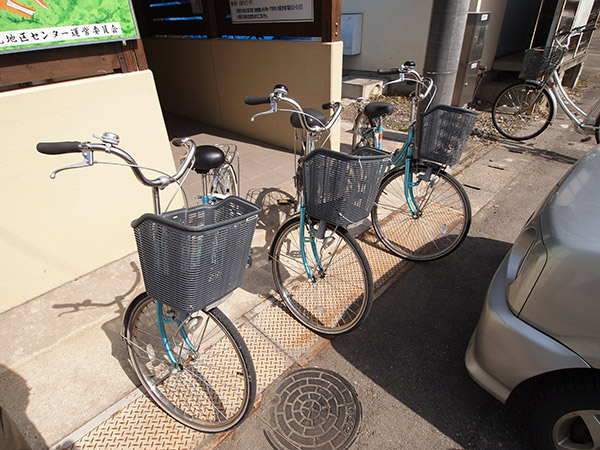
x,y
285,201
586,139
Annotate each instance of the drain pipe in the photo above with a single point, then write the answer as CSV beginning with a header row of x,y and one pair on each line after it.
x,y
444,44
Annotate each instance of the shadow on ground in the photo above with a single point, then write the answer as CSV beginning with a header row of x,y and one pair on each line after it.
x,y
412,345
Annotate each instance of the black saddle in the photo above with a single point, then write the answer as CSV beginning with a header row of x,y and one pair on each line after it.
x,y
208,157
378,109
313,117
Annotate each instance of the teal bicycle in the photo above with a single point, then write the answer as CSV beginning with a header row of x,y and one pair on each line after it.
x,y
190,358
421,212
320,271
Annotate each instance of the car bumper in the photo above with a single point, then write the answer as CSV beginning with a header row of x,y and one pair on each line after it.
x,y
504,351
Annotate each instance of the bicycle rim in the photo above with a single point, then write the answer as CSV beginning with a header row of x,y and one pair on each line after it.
x,y
522,111
442,221
340,295
213,386
363,133
225,181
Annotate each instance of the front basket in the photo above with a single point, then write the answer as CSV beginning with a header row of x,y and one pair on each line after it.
x,y
444,132
193,257
340,188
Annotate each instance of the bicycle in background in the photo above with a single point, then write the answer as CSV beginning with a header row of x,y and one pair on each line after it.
x,y
421,212
319,270
187,354
524,110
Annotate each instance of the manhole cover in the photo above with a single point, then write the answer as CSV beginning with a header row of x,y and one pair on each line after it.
x,y
313,409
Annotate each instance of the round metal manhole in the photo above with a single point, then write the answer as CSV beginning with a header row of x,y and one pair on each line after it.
x,y
313,409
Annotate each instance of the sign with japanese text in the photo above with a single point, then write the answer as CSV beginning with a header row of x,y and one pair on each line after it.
x,y
265,11
32,24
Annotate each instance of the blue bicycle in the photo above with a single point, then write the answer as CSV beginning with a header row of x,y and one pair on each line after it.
x,y
421,212
320,272
190,358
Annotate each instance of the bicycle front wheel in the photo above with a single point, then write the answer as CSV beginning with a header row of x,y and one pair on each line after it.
x,y
363,132
441,220
522,111
212,385
339,293
225,181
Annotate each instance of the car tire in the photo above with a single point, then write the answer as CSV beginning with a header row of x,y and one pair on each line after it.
x,y
566,415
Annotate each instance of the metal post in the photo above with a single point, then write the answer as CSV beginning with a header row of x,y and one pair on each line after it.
x,y
446,32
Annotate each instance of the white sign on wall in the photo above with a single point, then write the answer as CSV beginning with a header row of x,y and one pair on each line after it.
x,y
265,11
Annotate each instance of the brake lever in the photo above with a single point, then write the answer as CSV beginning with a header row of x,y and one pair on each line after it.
x,y
271,111
88,160
400,79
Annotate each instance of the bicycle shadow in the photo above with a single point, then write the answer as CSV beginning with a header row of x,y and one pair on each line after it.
x,y
17,432
529,149
273,214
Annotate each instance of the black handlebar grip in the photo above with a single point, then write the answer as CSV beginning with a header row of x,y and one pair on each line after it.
x,y
260,100
58,148
388,71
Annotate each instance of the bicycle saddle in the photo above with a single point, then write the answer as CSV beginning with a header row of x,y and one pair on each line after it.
x,y
378,109
208,157
314,117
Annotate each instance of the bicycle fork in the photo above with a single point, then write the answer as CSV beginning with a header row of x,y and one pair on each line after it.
x,y
310,239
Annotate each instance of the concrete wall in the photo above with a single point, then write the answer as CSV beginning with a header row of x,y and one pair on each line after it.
x,y
54,231
207,80
396,31
392,32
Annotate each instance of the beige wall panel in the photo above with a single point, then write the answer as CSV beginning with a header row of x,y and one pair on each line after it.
x,y
53,231
208,80
185,78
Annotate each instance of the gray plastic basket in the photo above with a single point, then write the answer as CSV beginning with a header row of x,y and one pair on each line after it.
x,y
193,257
444,132
340,188
539,62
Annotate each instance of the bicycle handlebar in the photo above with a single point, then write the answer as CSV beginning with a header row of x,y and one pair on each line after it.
x,y
571,33
408,69
108,145
280,94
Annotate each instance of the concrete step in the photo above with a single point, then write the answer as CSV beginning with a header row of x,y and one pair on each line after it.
x,y
355,87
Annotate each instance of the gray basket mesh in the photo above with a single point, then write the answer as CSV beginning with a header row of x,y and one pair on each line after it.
x,y
539,62
340,188
444,132
193,257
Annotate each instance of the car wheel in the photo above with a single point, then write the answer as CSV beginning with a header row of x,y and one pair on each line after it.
x,y
567,416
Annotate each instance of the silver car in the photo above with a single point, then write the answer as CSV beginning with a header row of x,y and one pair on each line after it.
x,y
538,337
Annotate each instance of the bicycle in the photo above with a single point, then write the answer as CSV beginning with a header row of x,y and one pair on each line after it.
x,y
319,270
188,356
524,110
421,212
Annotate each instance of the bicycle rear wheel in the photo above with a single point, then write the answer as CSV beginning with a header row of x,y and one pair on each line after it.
x,y
213,384
363,132
441,222
522,111
341,293
225,181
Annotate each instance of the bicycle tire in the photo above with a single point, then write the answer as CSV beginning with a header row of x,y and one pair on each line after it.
x,y
224,182
340,297
443,220
363,133
597,130
522,111
210,391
